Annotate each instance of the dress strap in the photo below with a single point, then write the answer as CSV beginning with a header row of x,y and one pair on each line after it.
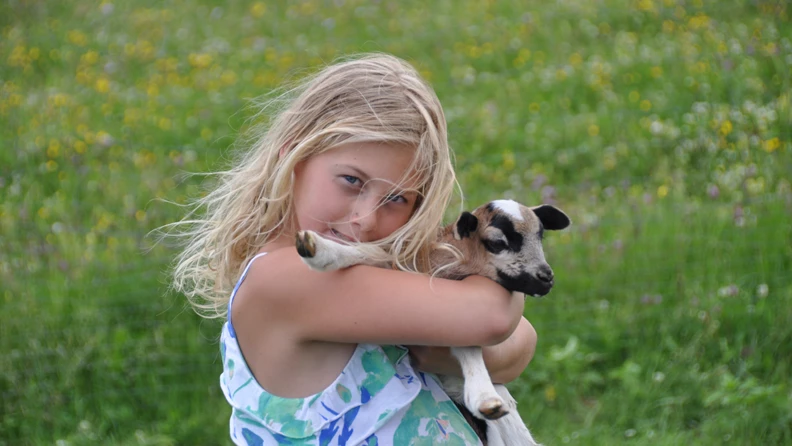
x,y
242,279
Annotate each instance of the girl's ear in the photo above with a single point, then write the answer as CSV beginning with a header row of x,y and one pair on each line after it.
x,y
285,148
465,225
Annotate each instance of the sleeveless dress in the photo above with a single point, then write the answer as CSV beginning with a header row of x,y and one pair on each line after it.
x,y
378,399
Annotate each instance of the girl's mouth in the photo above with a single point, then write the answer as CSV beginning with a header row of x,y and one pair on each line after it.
x,y
341,237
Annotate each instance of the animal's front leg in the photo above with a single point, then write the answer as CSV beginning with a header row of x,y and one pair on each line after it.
x,y
509,430
321,254
480,395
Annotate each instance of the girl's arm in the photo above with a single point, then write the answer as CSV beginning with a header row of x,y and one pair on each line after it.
x,y
505,361
363,304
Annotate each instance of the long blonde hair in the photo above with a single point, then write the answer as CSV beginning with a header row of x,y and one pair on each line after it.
x,y
374,98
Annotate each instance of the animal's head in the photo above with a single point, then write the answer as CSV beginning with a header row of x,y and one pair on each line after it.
x,y
507,237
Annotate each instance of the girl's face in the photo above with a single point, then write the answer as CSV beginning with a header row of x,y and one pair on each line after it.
x,y
349,193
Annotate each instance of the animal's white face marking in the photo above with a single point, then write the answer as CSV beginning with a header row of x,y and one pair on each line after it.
x,y
510,207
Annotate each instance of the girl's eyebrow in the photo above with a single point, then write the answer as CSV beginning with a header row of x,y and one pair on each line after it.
x,y
362,175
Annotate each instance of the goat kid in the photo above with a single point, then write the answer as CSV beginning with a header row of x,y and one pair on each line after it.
x,y
502,241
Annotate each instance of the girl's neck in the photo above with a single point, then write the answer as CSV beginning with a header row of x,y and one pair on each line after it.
x,y
283,240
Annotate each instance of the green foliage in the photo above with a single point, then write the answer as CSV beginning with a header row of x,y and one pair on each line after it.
x,y
663,128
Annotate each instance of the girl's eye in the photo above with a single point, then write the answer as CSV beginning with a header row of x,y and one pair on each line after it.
x,y
495,246
351,179
396,199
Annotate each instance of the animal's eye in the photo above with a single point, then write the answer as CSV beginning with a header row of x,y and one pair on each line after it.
x,y
495,246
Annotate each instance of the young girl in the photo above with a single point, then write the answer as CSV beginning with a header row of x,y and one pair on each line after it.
x,y
359,154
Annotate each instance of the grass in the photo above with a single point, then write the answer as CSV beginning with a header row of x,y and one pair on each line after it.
x,y
662,127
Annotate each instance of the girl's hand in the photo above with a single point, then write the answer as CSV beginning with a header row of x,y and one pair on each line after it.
x,y
505,361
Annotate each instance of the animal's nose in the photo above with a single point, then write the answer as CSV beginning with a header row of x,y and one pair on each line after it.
x,y
545,273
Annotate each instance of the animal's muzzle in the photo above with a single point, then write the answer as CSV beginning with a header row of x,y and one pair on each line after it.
x,y
536,284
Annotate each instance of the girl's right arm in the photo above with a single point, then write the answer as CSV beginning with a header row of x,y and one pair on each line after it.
x,y
364,304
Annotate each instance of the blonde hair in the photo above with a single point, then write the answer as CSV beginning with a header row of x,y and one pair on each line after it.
x,y
373,98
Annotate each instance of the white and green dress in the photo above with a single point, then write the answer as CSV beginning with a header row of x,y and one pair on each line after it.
x,y
378,399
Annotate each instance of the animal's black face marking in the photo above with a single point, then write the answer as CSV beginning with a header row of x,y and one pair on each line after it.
x,y
514,238
466,225
524,283
494,246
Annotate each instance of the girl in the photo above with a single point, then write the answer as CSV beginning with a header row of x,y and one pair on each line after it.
x,y
360,154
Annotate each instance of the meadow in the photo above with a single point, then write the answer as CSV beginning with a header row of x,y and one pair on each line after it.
x,y
662,127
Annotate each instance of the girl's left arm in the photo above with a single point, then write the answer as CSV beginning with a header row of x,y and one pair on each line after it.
x,y
505,361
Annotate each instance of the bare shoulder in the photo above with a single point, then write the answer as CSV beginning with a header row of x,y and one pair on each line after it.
x,y
266,284
270,335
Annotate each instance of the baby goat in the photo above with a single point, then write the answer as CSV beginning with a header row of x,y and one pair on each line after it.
x,y
501,240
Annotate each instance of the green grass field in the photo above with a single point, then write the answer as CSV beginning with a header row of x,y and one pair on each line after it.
x,y
662,127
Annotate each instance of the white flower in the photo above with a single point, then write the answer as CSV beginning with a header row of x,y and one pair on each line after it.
x,y
762,290
656,128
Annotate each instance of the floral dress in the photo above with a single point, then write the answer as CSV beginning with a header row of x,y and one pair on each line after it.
x,y
378,399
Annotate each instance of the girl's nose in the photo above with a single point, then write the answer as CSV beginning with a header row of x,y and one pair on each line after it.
x,y
365,215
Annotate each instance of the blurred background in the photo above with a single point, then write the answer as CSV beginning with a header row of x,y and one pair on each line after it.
x,y
662,127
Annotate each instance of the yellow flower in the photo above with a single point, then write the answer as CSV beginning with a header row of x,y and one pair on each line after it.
x,y
560,75
258,9
228,77
646,105
508,161
593,130
90,58
726,128
657,72
575,59
59,100
54,148
77,37
534,107
521,58
79,146
102,85
634,96
771,145
200,60
662,191
646,5
550,393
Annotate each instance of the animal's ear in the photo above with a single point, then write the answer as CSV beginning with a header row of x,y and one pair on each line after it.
x,y
551,217
465,225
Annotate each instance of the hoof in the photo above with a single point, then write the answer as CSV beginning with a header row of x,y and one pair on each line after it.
x,y
306,245
492,409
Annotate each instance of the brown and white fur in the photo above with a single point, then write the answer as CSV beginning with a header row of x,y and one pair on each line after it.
x,y
501,240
